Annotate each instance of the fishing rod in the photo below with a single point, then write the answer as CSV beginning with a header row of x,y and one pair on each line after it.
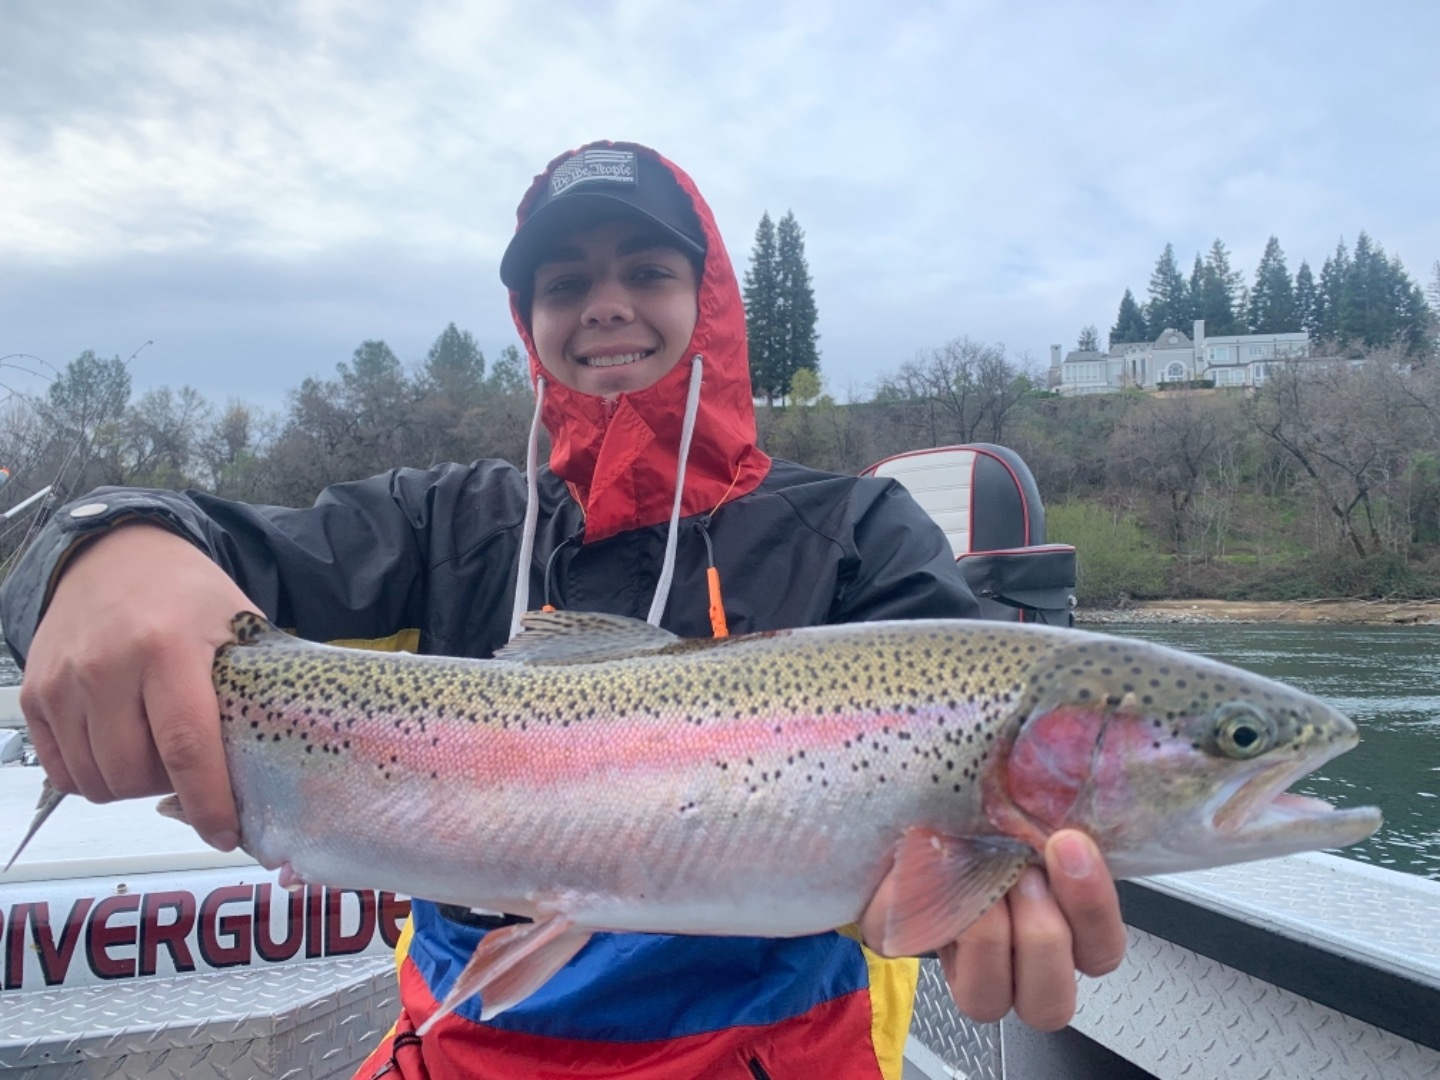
x,y
8,514
82,447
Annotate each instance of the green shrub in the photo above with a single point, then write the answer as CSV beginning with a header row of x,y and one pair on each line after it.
x,y
1385,576
1116,560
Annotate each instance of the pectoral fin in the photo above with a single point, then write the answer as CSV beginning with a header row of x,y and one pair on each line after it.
x,y
939,885
512,963
49,800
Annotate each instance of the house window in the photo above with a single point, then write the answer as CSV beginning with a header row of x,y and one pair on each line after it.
x,y
1219,354
1175,372
1258,350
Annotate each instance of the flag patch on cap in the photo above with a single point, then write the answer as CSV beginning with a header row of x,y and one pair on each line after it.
x,y
609,166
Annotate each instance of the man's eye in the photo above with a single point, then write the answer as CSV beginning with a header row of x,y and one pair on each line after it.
x,y
562,286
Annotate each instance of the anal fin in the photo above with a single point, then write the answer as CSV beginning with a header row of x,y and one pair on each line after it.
x,y
510,964
938,886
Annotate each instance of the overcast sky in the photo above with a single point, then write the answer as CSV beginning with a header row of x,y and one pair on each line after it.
x,y
257,187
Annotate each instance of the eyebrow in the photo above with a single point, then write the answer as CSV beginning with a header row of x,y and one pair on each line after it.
x,y
632,246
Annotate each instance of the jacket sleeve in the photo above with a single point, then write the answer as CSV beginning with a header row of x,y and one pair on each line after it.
x,y
354,565
901,565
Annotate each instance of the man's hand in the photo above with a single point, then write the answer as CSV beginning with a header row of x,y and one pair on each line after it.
x,y
117,688
1024,952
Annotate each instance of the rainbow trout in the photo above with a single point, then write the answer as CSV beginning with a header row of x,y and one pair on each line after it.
x,y
602,774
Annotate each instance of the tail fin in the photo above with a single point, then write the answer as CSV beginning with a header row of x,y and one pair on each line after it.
x,y
49,799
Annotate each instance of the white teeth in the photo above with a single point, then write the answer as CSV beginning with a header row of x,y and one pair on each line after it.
x,y
614,361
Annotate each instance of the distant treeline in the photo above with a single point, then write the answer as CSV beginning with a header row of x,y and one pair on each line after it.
x,y
1324,482
1361,300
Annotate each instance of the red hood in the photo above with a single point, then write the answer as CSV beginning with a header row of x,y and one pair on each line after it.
x,y
621,460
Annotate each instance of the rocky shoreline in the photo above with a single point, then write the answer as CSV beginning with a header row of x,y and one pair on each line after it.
x,y
1354,612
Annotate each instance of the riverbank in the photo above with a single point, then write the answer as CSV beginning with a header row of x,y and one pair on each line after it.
x,y
1350,612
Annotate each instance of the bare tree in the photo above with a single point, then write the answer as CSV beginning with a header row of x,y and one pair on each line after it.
x,y
954,393
1172,445
1344,425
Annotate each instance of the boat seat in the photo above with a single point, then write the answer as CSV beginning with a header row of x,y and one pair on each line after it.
x,y
985,499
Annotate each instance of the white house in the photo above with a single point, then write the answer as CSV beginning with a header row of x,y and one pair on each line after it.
x,y
1233,360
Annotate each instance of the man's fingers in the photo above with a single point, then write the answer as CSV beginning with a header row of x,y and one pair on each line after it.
x,y
57,729
978,967
119,740
185,723
47,747
1086,894
1044,965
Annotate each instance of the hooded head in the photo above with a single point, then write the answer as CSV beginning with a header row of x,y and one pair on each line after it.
x,y
621,452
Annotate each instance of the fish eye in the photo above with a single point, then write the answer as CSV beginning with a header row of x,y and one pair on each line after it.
x,y
1243,731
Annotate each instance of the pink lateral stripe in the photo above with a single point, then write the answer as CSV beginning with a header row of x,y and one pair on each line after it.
x,y
550,754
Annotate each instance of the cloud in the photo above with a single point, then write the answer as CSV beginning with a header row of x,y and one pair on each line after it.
x,y
280,181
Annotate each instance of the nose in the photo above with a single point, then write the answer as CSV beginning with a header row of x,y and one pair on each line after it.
x,y
607,303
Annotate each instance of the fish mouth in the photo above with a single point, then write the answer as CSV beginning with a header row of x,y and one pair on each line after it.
x,y
1258,808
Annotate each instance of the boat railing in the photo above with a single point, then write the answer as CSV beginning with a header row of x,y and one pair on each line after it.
x,y
1307,966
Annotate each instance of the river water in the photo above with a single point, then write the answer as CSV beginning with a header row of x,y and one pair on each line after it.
x,y
1387,679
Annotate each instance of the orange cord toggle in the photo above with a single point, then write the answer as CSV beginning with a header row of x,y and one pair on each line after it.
x,y
717,605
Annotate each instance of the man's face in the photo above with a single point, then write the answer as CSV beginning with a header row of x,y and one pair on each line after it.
x,y
614,308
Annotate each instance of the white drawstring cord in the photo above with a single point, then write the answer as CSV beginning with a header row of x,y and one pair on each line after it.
x,y
532,514
667,568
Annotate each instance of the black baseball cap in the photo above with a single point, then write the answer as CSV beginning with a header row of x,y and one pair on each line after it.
x,y
592,185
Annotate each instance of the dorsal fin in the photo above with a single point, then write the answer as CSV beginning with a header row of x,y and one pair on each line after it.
x,y
251,628
583,637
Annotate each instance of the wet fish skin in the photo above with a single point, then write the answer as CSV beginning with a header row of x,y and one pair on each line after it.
x,y
604,775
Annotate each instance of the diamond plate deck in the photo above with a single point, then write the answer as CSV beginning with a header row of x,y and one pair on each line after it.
x,y
1352,909
1178,1014
292,1021
971,1049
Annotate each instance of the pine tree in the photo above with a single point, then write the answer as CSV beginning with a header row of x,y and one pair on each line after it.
x,y
455,366
1271,308
1218,288
1416,319
1130,325
508,373
762,317
1169,304
1329,295
1305,300
796,307
1367,313
1089,339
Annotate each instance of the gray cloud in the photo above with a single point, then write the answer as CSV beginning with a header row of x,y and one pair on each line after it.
x,y
258,187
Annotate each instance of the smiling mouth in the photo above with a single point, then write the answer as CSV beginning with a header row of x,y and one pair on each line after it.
x,y
614,361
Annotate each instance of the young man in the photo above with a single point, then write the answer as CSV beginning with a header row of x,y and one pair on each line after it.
x,y
631,314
